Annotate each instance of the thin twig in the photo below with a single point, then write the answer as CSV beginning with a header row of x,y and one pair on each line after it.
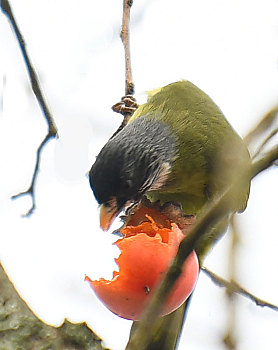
x,y
234,287
264,162
217,209
52,129
128,104
265,123
229,338
265,141
31,190
129,86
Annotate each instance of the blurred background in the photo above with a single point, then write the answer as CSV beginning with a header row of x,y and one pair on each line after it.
x,y
229,49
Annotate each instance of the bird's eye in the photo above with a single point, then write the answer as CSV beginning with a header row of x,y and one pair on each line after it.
x,y
110,205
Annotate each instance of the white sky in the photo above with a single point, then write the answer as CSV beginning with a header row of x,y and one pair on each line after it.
x,y
227,48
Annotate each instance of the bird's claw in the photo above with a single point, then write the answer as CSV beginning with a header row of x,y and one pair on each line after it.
x,y
127,105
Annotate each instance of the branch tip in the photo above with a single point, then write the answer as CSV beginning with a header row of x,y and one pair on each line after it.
x,y
31,190
234,288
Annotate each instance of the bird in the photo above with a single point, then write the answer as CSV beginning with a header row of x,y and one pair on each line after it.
x,y
178,147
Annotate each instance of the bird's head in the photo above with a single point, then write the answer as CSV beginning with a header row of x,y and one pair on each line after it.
x,y
135,161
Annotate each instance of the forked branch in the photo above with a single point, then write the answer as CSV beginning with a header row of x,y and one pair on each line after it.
x,y
52,129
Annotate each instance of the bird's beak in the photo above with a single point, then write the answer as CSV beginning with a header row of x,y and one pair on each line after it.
x,y
107,216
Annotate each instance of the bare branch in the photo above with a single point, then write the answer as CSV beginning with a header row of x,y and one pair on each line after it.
x,y
129,86
230,339
265,141
265,123
234,287
128,104
31,190
31,71
218,208
264,162
52,129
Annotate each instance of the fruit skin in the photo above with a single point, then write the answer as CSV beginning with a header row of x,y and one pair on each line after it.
x,y
143,262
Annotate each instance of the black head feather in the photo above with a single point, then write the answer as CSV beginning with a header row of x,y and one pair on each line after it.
x,y
132,161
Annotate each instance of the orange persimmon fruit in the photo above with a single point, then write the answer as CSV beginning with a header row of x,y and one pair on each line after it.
x,y
147,251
